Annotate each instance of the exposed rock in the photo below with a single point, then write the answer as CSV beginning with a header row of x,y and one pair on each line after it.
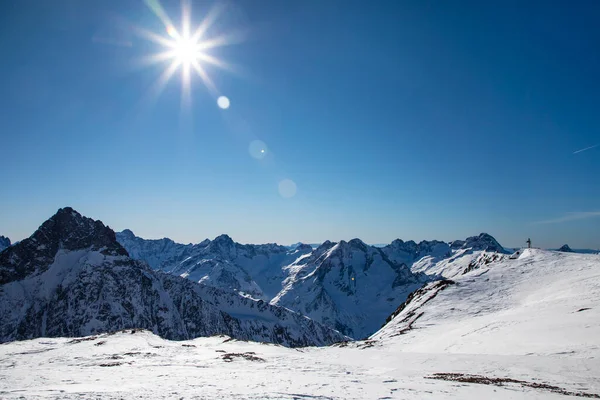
x,y
4,242
565,249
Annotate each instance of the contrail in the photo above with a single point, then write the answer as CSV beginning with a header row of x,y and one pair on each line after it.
x,y
587,148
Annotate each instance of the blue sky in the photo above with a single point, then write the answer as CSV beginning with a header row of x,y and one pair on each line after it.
x,y
410,119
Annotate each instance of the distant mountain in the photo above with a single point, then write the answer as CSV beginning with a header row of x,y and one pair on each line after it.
x,y
565,249
72,278
347,285
251,270
483,242
299,244
4,242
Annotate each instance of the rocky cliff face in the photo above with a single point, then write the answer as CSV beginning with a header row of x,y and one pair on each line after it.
x,y
71,278
66,230
4,242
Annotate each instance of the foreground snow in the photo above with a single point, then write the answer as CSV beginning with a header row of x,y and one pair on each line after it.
x,y
513,328
142,365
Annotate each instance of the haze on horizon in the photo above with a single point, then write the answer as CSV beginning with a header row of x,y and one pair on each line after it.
x,y
308,121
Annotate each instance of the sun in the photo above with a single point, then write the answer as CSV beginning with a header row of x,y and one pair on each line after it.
x,y
182,50
185,51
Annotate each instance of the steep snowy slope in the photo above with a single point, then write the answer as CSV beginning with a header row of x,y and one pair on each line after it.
x,y
253,270
347,285
4,242
71,278
543,303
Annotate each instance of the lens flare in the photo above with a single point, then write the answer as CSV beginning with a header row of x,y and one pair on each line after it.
x,y
287,188
223,102
257,149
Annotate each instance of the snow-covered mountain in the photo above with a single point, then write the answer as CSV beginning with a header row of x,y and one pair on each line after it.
x,y
515,328
347,285
437,258
72,278
4,242
318,282
155,253
252,270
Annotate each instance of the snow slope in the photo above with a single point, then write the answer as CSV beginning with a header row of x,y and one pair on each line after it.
x,y
543,303
141,365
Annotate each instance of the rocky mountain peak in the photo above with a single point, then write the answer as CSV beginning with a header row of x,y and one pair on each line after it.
x,y
127,233
4,242
68,230
357,243
483,242
203,243
565,249
301,247
400,244
223,239
326,245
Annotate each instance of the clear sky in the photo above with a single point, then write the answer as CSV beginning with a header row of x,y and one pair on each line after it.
x,y
394,119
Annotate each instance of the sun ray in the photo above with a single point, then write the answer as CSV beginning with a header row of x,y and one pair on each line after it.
x,y
187,51
186,92
206,23
159,11
215,61
164,78
156,58
154,37
205,78
222,40
185,19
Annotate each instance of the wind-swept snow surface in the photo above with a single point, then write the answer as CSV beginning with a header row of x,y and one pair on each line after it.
x,y
525,328
542,303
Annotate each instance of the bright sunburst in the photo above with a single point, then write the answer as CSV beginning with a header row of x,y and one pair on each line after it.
x,y
183,50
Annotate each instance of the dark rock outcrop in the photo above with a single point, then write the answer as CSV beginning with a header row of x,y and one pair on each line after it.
x,y
4,242
565,249
68,230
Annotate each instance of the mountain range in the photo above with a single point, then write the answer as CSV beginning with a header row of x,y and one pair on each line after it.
x,y
72,278
296,295
349,286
